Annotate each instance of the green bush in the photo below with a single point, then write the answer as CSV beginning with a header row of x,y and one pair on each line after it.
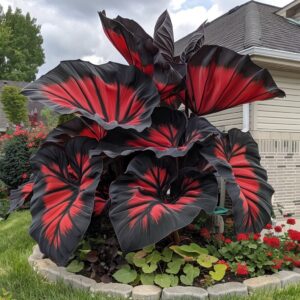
x,y
14,164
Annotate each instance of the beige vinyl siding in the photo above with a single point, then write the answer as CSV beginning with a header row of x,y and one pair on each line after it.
x,y
226,119
280,114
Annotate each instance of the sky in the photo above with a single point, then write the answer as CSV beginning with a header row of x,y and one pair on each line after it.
x,y
71,29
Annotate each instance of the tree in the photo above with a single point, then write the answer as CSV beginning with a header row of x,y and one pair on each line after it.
x,y
14,105
21,51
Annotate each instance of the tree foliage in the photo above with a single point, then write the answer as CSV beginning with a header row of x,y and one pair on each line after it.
x,y
21,51
14,105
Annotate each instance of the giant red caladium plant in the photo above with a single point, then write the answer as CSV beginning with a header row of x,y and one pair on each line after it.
x,y
139,150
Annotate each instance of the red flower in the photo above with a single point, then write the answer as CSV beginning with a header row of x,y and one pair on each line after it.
x,y
227,241
223,262
288,258
278,264
256,236
242,237
296,263
204,232
272,241
268,226
289,245
242,269
294,235
269,254
291,221
278,228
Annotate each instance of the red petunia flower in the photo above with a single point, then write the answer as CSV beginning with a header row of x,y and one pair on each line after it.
x,y
268,226
256,236
272,241
227,241
242,269
242,237
278,264
287,258
278,228
204,232
296,263
289,245
291,221
294,235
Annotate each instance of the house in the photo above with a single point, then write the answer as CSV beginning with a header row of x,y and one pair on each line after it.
x,y
271,36
34,108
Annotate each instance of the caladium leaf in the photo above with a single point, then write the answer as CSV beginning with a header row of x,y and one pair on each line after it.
x,y
170,134
149,201
76,127
235,157
131,41
63,196
111,94
218,78
21,195
163,36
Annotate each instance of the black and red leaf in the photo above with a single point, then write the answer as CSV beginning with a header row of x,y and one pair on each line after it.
x,y
76,127
235,157
63,196
112,94
164,37
131,41
21,195
149,202
170,134
218,78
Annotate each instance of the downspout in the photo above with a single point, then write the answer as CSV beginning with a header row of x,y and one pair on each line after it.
x,y
246,117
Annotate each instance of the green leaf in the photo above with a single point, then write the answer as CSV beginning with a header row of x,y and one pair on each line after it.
x,y
149,268
154,257
191,273
174,280
187,256
129,257
219,272
147,279
75,266
167,254
139,259
194,248
125,275
206,261
163,280
174,265
149,249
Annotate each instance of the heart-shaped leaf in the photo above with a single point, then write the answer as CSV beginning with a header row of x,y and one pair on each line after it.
x,y
153,257
206,261
149,268
129,257
219,272
125,275
163,280
167,254
147,279
174,265
75,266
191,273
149,249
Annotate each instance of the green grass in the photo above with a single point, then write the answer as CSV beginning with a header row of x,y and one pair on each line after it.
x,y
17,277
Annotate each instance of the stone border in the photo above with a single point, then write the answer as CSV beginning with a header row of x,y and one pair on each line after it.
x,y
50,271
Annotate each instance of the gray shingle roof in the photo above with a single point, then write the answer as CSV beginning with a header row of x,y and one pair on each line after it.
x,y
247,25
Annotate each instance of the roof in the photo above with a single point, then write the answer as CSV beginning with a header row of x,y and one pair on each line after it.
x,y
248,25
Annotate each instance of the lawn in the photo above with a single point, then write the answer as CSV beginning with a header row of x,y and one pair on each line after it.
x,y
17,277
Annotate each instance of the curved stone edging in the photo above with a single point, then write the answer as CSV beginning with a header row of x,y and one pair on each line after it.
x,y
53,273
